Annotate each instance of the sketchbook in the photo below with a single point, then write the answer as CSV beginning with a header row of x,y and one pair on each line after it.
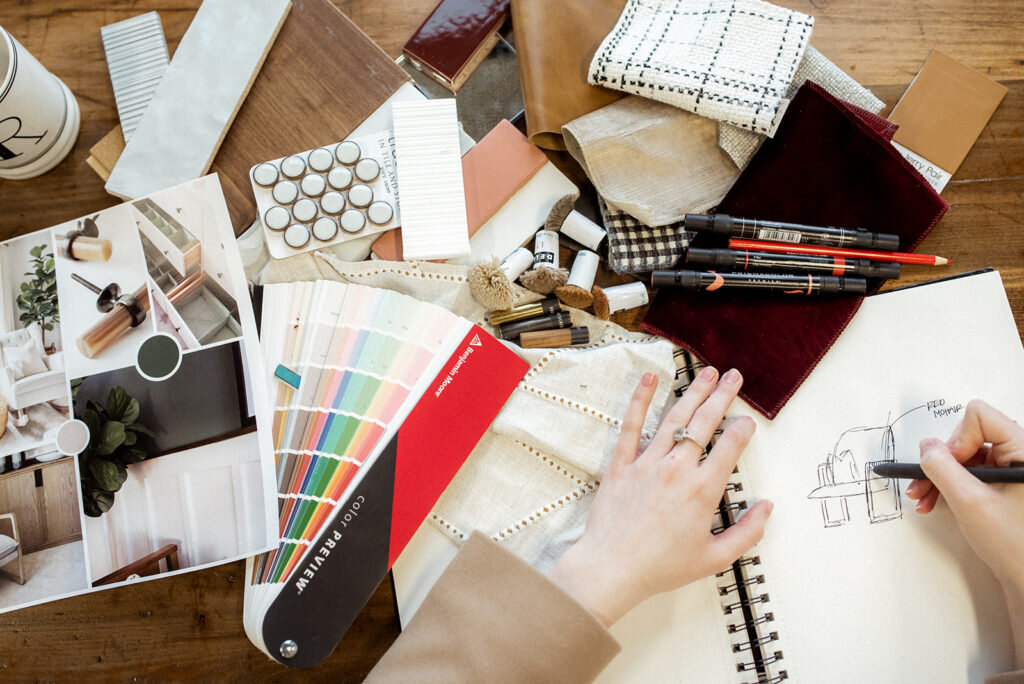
x,y
129,447
379,399
849,584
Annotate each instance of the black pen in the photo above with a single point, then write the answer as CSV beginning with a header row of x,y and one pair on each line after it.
x,y
711,281
794,233
912,471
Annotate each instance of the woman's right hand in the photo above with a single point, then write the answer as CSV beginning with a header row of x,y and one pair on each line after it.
x,y
990,515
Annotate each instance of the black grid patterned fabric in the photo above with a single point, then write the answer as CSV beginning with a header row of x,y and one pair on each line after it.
x,y
637,248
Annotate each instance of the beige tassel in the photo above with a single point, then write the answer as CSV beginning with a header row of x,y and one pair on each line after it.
x,y
574,296
601,307
544,280
490,285
561,209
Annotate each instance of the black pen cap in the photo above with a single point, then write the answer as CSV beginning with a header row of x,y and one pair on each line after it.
x,y
834,285
884,241
680,278
877,269
698,222
559,319
710,257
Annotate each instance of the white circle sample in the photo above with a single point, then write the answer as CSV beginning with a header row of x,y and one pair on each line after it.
x,y
321,159
72,437
276,218
285,192
360,195
332,202
380,212
296,236
325,228
304,210
367,170
313,185
265,174
293,166
340,177
347,152
352,221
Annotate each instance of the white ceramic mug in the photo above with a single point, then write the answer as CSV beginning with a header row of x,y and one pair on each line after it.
x,y
39,116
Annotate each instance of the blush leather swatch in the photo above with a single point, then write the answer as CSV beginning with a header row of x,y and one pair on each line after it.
x,y
830,164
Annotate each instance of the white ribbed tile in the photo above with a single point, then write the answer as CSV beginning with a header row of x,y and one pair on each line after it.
x,y
137,58
430,190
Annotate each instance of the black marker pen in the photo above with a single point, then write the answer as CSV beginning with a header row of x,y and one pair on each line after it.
x,y
794,233
789,284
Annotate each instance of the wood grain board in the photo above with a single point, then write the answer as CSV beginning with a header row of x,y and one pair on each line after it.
x,y
189,627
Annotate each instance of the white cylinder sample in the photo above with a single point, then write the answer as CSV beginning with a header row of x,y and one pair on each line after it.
x,y
584,268
516,263
545,249
628,296
583,230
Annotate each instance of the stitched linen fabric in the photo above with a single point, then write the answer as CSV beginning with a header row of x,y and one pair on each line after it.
x,y
730,60
636,248
741,144
529,482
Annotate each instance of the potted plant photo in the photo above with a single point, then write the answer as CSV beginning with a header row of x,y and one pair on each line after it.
x,y
116,440
38,297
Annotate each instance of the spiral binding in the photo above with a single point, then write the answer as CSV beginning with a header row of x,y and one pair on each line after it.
x,y
740,588
744,601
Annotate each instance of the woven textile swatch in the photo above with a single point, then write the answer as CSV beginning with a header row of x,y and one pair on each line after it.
x,y
651,160
741,144
730,60
636,248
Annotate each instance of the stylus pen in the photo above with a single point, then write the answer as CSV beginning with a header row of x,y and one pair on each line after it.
x,y
912,471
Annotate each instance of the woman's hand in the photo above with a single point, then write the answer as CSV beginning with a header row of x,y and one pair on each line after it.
x,y
989,515
649,528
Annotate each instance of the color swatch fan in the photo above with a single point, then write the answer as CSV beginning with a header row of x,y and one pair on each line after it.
x,y
379,399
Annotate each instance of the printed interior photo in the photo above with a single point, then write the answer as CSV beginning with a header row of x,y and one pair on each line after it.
x,y
103,291
171,477
41,551
186,258
33,387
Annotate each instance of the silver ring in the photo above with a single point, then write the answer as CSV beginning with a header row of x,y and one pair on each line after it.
x,y
683,434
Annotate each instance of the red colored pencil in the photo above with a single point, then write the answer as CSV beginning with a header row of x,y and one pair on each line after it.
x,y
782,247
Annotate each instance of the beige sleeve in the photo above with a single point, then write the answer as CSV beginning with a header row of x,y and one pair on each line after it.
x,y
1015,677
492,617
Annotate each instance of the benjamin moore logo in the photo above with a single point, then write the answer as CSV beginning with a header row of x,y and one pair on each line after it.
x,y
454,370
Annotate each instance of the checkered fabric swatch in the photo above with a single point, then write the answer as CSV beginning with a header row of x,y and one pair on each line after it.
x,y
730,60
636,248
741,144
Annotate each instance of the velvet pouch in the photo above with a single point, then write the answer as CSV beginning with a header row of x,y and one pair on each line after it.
x,y
829,164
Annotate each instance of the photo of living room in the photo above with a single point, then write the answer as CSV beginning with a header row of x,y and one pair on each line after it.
x,y
181,484
41,551
192,293
33,389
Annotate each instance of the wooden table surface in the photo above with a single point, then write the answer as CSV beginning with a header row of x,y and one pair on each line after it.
x,y
190,626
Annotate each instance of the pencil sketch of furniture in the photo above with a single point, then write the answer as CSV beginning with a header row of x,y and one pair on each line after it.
x,y
847,474
28,375
146,566
10,548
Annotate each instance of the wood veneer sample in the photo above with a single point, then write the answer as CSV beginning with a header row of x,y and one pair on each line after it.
x,y
320,80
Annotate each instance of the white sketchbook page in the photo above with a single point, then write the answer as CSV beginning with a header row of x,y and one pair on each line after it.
x,y
903,599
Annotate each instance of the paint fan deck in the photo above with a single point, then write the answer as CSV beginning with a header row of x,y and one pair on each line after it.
x,y
379,399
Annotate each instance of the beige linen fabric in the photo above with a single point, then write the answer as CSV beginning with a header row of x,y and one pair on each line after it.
x,y
530,480
741,144
650,160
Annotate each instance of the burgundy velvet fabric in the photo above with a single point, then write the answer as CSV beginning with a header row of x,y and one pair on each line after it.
x,y
828,164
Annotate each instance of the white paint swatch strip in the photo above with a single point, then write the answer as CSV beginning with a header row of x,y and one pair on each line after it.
x,y
137,59
430,188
